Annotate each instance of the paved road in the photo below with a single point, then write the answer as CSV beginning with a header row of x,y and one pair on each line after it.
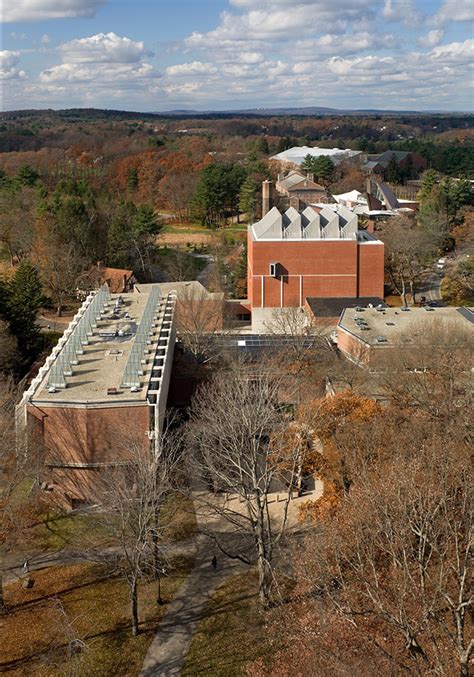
x,y
169,649
430,286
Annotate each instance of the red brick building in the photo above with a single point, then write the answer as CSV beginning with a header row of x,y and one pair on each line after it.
x,y
318,253
101,395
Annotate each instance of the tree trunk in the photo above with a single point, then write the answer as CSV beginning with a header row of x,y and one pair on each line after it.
x,y
134,607
403,293
3,608
264,570
264,580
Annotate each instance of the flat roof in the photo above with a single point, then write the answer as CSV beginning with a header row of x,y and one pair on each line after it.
x,y
101,363
333,307
297,154
390,326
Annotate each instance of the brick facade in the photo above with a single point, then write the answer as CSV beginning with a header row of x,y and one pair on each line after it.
x,y
317,268
80,439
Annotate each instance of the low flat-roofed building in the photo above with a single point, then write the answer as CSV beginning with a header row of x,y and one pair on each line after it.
x,y
103,390
366,334
296,154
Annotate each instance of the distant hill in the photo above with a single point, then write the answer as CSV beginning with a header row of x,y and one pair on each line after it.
x,y
304,111
309,111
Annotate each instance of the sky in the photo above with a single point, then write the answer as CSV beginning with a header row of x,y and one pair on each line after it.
x,y
157,55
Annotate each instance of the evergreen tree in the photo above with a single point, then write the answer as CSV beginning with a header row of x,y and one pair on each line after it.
x,y
145,222
283,144
393,173
132,180
120,236
217,192
24,299
429,180
27,176
248,197
261,146
321,167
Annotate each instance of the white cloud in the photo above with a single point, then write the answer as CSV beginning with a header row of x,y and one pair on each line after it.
x,y
42,10
103,48
18,36
102,63
194,68
45,39
102,74
9,61
403,11
454,53
431,39
360,65
267,52
455,10
266,21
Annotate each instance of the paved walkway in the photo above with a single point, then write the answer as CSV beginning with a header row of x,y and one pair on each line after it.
x,y
168,650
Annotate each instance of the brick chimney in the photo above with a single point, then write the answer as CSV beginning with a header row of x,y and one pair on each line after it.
x,y
267,187
310,176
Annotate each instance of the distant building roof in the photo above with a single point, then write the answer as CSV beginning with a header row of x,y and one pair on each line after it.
x,y
383,159
387,155
298,181
297,154
117,279
371,165
379,194
351,196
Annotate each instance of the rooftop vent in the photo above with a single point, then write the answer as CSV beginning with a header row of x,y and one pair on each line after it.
x,y
405,309
381,339
428,308
112,391
390,324
134,389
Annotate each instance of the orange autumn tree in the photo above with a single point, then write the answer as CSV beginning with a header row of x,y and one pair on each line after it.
x,y
329,419
297,441
157,171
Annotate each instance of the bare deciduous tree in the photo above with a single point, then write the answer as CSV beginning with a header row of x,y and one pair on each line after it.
x,y
132,494
236,424
407,250
387,572
200,315
399,556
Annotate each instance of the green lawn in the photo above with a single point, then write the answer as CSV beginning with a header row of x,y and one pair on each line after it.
x,y
59,531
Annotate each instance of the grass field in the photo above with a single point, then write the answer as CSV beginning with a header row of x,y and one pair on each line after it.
x,y
232,634
79,606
